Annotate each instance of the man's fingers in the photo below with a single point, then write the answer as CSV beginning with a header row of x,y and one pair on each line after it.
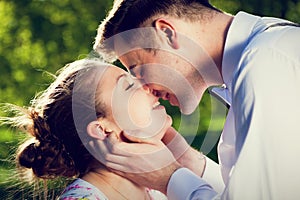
x,y
130,137
116,147
136,137
117,168
130,157
112,139
176,143
169,135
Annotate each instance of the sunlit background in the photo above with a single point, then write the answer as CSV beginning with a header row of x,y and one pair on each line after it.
x,y
40,36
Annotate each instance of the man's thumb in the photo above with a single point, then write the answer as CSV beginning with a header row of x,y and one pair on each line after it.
x,y
135,136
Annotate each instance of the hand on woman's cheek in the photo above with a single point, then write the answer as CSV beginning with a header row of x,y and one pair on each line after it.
x,y
143,136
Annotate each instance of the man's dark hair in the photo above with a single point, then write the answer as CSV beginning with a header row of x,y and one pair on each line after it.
x,y
130,14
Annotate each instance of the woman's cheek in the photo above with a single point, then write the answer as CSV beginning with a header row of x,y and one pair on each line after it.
x,y
139,112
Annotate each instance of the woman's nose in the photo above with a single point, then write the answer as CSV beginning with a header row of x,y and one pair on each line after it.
x,y
147,88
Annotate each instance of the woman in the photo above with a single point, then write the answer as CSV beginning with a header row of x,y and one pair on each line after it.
x,y
88,101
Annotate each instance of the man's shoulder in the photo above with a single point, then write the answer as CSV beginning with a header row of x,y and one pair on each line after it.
x,y
279,36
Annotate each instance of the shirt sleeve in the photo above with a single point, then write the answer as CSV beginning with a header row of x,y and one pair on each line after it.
x,y
212,175
184,184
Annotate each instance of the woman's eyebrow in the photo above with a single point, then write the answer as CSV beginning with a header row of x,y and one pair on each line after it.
x,y
120,76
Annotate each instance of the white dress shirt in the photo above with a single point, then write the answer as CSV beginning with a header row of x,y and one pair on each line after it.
x,y
259,147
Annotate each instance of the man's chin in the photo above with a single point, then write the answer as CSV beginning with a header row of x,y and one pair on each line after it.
x,y
188,108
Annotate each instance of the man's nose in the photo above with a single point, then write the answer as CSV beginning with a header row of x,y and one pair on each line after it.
x,y
147,88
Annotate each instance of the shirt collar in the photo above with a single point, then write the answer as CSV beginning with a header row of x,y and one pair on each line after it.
x,y
237,39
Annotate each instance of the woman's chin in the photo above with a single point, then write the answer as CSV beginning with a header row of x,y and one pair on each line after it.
x,y
145,134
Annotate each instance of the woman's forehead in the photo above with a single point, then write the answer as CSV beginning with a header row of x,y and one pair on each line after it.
x,y
113,72
110,77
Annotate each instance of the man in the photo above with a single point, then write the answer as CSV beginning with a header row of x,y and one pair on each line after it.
x,y
256,59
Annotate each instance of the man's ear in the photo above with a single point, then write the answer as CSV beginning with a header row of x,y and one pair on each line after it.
x,y
169,31
96,130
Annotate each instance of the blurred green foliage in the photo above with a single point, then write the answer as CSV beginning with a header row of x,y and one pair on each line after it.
x,y
38,36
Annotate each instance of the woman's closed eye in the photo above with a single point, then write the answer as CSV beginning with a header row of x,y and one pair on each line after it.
x,y
129,86
127,81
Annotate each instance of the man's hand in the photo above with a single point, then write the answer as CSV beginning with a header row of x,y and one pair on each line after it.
x,y
149,163
185,155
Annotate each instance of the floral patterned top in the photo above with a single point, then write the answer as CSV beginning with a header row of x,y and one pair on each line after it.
x,y
83,190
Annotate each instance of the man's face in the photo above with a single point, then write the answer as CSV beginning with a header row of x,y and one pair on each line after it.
x,y
166,74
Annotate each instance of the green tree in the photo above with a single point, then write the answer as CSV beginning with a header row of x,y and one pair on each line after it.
x,y
288,9
39,36
35,37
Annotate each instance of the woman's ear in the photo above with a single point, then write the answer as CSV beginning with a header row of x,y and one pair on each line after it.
x,y
167,28
96,130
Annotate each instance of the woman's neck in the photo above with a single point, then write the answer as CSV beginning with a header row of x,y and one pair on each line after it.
x,y
115,186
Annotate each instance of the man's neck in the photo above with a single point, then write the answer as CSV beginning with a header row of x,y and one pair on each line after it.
x,y
214,36
209,36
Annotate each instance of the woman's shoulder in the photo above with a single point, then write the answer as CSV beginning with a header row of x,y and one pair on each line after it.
x,y
82,190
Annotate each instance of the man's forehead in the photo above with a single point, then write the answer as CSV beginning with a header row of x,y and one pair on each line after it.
x,y
132,57
124,46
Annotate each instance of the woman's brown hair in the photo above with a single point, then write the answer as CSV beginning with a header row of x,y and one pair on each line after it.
x,y
56,146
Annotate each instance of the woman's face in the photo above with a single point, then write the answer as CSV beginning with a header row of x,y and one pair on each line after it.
x,y
131,106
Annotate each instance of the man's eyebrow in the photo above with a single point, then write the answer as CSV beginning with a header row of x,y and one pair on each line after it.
x,y
131,67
